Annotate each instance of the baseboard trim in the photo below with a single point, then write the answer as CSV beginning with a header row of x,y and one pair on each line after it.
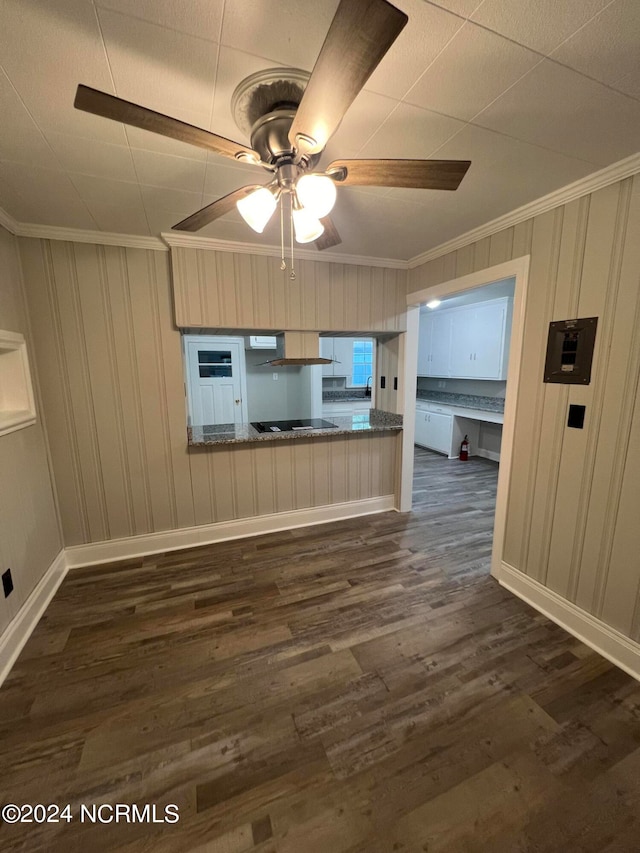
x,y
206,534
488,454
21,626
611,644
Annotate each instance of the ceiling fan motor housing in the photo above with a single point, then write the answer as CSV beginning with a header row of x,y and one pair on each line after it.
x,y
270,138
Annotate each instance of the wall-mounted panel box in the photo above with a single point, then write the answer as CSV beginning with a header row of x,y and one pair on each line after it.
x,y
570,351
17,406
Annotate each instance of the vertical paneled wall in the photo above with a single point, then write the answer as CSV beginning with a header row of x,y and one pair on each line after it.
x,y
573,520
29,536
112,380
388,364
227,290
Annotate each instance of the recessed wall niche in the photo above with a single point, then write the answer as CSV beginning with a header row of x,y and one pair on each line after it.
x,y
17,406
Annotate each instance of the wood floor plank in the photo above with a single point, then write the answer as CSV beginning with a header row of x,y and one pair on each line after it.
x,y
356,687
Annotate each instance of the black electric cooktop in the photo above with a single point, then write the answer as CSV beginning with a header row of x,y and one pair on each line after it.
x,y
304,425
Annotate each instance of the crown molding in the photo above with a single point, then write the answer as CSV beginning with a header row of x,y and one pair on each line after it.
x,y
188,241
8,222
79,235
595,181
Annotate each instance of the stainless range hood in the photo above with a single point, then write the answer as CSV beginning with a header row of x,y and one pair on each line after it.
x,y
298,348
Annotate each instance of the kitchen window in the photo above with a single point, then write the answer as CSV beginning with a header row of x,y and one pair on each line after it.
x,y
362,362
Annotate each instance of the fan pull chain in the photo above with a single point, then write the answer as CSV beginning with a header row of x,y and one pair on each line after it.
x,y
292,274
283,263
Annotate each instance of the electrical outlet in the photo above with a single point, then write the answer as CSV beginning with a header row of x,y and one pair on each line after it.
x,y
7,583
275,377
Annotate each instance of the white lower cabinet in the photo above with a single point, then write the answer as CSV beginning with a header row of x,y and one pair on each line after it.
x,y
434,430
345,409
444,431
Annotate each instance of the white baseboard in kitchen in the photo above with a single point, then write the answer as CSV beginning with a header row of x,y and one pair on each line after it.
x,y
206,534
21,626
488,454
611,644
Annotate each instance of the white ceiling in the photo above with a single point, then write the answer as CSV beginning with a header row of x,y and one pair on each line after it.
x,y
495,290
536,93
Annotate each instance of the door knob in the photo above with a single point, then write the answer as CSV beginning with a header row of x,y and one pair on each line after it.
x,y
237,402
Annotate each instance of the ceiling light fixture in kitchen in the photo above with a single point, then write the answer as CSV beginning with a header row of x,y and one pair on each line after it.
x,y
433,304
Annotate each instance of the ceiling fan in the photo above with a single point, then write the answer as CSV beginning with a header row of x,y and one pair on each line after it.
x,y
290,125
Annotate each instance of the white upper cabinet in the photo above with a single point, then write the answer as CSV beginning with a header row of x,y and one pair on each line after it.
x,y
470,342
261,342
326,351
341,351
343,355
434,343
441,344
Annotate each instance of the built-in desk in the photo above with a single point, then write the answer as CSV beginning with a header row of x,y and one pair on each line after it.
x,y
442,427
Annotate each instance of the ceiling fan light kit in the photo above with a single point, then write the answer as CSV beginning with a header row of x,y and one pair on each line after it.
x,y
307,227
316,193
257,208
289,116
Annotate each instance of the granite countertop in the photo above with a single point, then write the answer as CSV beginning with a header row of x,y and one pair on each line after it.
x,y
215,434
346,399
350,395
463,401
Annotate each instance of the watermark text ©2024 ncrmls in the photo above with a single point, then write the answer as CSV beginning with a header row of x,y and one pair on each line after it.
x,y
90,813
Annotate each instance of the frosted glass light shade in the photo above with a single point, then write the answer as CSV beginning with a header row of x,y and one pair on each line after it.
x,y
306,226
317,193
257,208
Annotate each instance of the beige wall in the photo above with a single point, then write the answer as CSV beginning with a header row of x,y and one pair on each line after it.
x,y
389,365
29,535
228,290
573,520
110,362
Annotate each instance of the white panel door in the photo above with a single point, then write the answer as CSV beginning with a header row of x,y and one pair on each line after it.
x,y
215,380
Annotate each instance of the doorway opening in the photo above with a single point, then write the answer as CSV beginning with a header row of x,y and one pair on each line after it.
x,y
462,364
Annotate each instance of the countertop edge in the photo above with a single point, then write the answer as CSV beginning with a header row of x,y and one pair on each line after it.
x,y
255,436
455,408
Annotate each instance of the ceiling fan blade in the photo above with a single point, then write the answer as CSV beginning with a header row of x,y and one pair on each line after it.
x,y
361,32
109,106
329,236
421,174
214,210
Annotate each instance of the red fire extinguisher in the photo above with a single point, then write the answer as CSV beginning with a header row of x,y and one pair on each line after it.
x,y
464,449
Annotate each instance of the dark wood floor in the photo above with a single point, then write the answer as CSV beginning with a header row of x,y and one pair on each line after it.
x,y
347,688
